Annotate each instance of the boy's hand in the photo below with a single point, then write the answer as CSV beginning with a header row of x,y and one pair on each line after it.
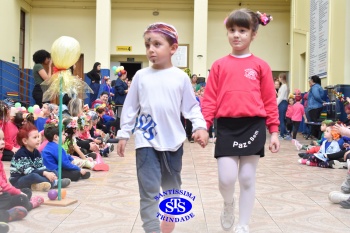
x,y
121,147
274,143
50,176
201,136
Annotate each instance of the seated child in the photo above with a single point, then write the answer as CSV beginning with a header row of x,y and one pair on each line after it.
x,y
14,203
50,155
71,147
45,114
11,130
27,169
315,145
329,146
84,139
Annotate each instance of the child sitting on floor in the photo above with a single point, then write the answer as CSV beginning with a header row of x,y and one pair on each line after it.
x,y
14,122
14,203
329,146
50,155
71,147
27,169
44,115
315,145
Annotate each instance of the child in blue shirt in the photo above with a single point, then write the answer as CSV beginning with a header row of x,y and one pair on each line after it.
x,y
50,155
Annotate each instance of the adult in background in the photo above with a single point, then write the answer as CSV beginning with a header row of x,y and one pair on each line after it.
x,y
121,88
282,103
194,83
40,58
95,76
277,86
315,102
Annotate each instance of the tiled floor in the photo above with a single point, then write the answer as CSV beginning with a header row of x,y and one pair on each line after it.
x,y
290,197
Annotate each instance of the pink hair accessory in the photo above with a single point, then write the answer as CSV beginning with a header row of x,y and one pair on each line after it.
x,y
264,19
225,20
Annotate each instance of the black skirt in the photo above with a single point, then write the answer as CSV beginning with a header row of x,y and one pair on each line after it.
x,y
240,137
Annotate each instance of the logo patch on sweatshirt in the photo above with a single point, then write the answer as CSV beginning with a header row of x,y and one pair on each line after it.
x,y
251,74
146,124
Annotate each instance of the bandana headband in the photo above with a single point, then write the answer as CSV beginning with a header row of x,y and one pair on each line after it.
x,y
163,28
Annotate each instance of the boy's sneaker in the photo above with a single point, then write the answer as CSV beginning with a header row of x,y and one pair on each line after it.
x,y
336,164
242,229
4,227
336,197
345,186
287,137
280,137
302,155
111,147
17,213
36,201
65,182
86,175
105,152
227,217
345,204
43,186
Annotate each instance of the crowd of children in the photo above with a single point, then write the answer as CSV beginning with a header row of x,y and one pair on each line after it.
x,y
29,139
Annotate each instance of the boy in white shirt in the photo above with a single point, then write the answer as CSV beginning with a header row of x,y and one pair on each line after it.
x,y
157,96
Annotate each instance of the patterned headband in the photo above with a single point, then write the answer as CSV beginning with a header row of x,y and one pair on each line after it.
x,y
164,28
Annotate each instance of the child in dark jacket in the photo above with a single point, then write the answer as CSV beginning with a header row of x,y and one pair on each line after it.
x,y
27,169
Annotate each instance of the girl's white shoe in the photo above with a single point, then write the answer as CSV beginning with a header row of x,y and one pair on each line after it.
x,y
242,229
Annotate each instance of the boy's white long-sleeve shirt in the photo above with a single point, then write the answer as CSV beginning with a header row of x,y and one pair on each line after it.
x,y
158,97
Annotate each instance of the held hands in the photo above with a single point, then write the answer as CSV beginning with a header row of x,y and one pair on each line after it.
x,y
274,143
201,136
121,147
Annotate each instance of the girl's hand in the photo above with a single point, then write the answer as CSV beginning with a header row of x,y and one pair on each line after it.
x,y
274,143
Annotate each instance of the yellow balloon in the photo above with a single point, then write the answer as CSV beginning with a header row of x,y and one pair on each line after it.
x,y
65,52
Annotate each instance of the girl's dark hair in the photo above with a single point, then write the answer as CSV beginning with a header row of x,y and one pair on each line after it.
x,y
316,79
18,120
95,67
193,76
4,108
40,56
243,18
30,118
70,133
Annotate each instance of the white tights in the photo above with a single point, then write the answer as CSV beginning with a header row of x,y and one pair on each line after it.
x,y
228,172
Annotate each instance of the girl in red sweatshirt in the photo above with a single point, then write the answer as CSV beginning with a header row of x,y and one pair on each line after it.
x,y
240,93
